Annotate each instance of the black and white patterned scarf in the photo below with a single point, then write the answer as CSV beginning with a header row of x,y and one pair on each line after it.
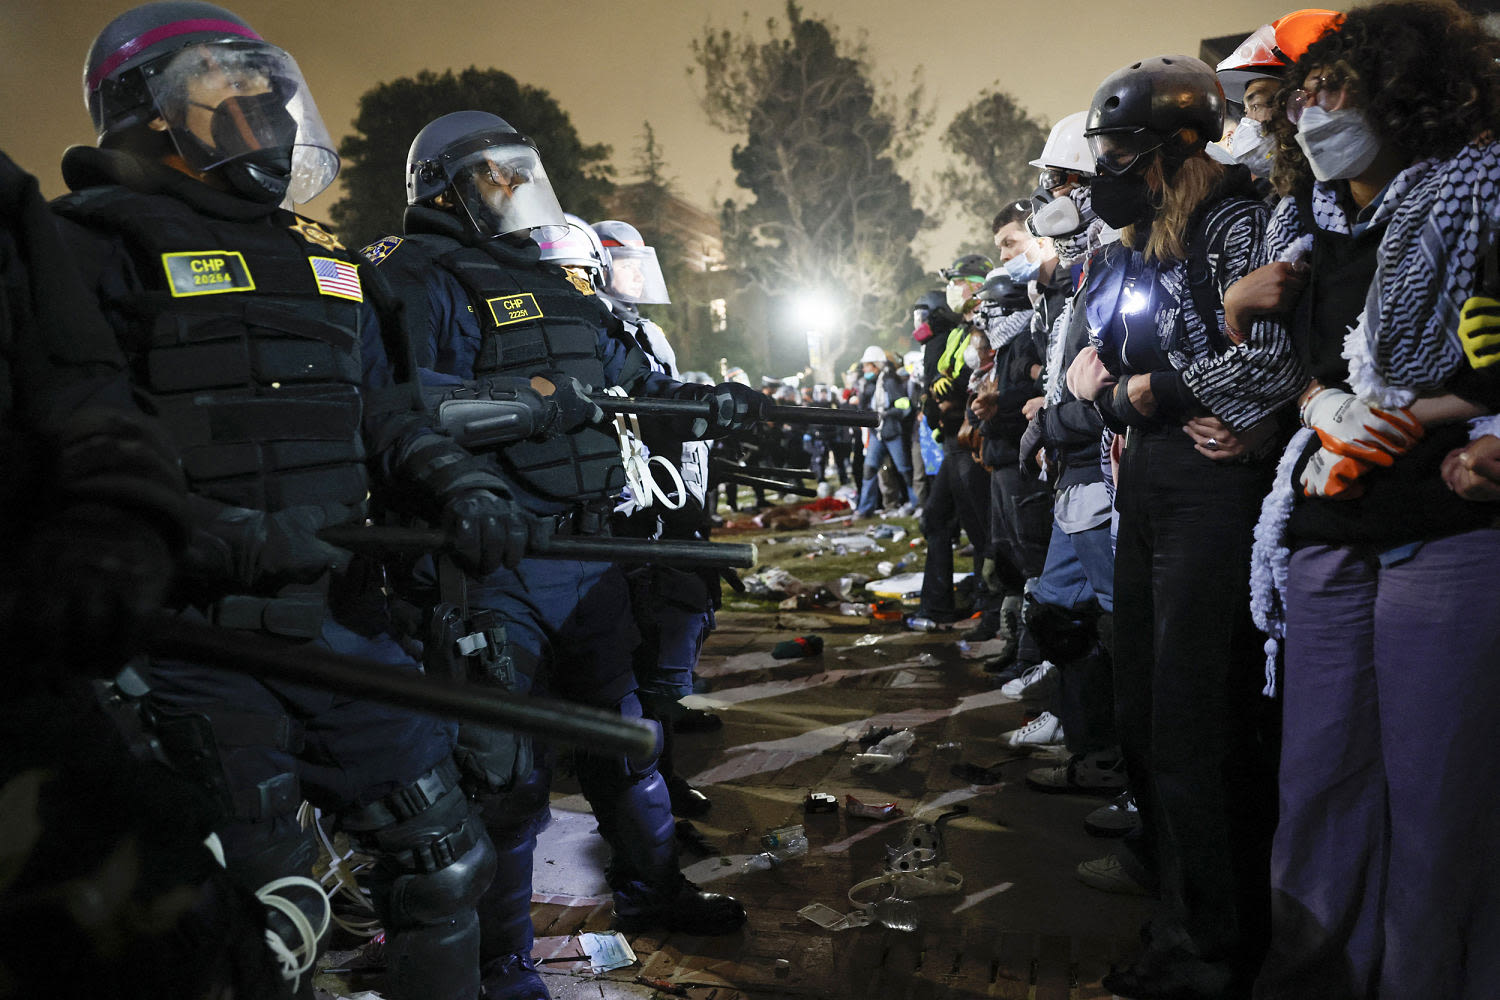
x,y
1443,218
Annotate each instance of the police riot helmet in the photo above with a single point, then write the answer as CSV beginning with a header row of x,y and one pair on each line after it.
x,y
1000,288
631,271
229,100
577,246
1147,106
491,170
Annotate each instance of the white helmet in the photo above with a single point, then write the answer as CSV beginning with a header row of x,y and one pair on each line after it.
x,y
1066,148
873,355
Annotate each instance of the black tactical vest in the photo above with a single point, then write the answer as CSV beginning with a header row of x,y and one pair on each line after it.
x,y
246,337
532,320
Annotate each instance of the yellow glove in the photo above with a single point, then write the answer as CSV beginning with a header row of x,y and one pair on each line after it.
x,y
1479,330
902,404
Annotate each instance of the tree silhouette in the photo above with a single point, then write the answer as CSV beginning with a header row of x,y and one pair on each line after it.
x,y
392,113
831,214
993,141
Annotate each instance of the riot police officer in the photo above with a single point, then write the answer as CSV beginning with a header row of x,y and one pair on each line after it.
x,y
253,335
674,608
483,307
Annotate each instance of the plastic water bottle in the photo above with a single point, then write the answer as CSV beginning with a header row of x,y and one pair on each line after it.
x,y
921,624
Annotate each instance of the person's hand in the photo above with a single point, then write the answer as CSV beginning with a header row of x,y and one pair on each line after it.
x,y
1087,377
486,531
1271,288
1213,438
258,549
1479,330
1473,471
1329,474
1033,406
984,405
568,400
1346,425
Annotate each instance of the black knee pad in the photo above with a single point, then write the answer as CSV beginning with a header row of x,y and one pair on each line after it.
x,y
434,857
621,769
1062,634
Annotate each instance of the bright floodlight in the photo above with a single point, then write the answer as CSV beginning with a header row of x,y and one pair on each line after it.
x,y
815,310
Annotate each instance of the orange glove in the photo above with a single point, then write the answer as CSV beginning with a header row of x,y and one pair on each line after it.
x,y
1348,426
1329,474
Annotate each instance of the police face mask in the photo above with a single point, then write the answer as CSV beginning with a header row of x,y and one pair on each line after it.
x,y
253,139
1338,144
1251,147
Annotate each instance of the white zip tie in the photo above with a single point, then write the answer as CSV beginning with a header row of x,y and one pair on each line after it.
x,y
638,464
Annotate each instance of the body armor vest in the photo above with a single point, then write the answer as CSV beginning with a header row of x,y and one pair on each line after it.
x,y
532,320
245,335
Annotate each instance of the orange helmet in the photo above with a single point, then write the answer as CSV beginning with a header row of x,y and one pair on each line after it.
x,y
1273,47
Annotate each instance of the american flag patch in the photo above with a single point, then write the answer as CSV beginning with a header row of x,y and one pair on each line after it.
x,y
335,277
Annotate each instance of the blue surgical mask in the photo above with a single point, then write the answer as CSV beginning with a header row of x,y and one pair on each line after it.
x,y
870,376
1022,268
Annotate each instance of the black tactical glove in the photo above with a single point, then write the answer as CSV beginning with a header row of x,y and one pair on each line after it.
x,y
735,408
262,550
488,532
568,400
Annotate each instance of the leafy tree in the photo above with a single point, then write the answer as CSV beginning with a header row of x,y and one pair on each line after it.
x,y
828,211
993,141
392,113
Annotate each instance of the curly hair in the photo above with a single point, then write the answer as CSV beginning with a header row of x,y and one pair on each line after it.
x,y
1424,71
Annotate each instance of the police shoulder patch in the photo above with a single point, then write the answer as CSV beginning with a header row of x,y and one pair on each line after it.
x,y
516,308
206,272
381,248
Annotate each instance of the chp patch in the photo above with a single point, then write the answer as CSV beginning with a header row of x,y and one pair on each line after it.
x,y
206,272
381,248
517,308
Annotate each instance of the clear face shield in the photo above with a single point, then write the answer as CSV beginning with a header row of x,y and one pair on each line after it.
x,y
569,248
635,275
244,101
505,190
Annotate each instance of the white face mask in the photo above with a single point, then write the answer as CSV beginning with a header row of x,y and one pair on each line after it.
x,y
971,357
1338,144
956,295
1251,147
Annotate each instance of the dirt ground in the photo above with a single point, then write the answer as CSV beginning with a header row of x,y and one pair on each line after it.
x,y
1019,926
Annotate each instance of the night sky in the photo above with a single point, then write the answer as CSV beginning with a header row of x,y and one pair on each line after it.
x,y
613,66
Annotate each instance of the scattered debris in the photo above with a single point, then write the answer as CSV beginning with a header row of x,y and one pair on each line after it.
x,y
793,649
607,951
888,753
871,810
820,802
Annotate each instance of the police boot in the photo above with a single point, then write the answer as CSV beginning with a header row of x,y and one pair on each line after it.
x,y
687,801
634,811
505,931
513,819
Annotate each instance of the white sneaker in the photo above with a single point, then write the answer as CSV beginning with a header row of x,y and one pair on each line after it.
x,y
1043,731
1036,684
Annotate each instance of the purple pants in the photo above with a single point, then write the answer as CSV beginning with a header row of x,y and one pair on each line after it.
x,y
1384,871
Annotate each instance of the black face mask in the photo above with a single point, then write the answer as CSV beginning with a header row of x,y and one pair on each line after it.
x,y
255,135
1121,201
